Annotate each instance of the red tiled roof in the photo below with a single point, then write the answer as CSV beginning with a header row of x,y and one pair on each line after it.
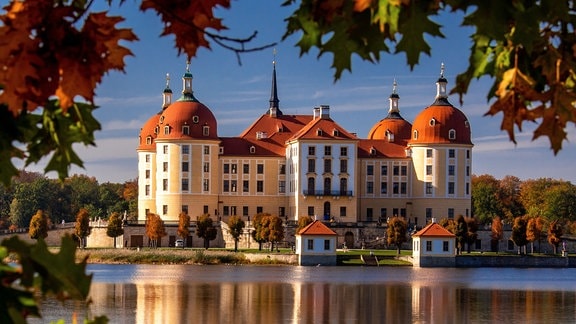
x,y
327,127
382,149
316,228
434,229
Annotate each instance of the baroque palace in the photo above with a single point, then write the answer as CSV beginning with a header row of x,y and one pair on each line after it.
x,y
295,165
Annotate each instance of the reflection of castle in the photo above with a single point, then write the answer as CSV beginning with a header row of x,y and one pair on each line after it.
x,y
295,165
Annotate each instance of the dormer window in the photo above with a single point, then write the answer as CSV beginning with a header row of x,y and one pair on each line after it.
x,y
161,119
415,134
319,132
372,151
221,150
466,124
149,140
186,130
206,130
252,149
432,121
389,136
166,130
195,119
156,130
452,134
336,132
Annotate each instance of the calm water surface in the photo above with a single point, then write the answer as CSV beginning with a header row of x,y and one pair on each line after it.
x,y
291,294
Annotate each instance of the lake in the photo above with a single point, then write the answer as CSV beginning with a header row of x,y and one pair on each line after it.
x,y
294,294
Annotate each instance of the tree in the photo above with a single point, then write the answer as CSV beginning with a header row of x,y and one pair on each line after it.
x,y
155,229
183,227
472,232
82,227
497,233
236,225
259,235
526,50
519,233
534,231
115,228
38,226
461,233
303,222
509,197
485,204
396,232
275,231
205,230
555,234
448,224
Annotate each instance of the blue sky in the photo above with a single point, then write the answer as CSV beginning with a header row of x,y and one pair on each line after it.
x,y
239,94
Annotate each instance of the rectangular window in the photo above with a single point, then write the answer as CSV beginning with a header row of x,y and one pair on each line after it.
x,y
429,246
428,170
310,244
396,188
451,213
233,185
147,158
369,170
342,211
311,165
226,186
343,166
327,150
184,184
245,186
259,209
403,170
147,190
395,170
327,166
226,168
468,154
467,188
369,187
165,149
185,149
310,210
206,185
344,151
451,153
260,168
467,171
226,210
165,166
244,210
281,212
428,153
184,166
206,149
445,246
384,187
147,174
384,170
311,150
403,212
282,186
259,186
428,188
395,212
246,168
206,166
369,214
428,213
451,170
164,209
233,168
165,184
402,188
205,209
282,169
326,245
383,214
450,188
185,209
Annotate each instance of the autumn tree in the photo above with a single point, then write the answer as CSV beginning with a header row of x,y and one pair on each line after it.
x,y
183,227
259,233
205,229
303,222
155,229
534,231
461,233
275,231
519,233
496,233
448,224
38,226
396,233
526,50
115,228
555,234
508,197
472,232
82,227
236,225
485,205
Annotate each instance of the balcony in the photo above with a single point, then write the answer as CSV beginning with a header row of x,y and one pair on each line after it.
x,y
344,193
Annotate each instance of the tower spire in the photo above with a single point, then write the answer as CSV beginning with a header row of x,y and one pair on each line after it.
x,y
394,110
187,92
167,93
441,94
274,101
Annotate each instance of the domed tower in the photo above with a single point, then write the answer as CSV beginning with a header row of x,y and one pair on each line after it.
x,y
147,156
186,149
441,150
393,128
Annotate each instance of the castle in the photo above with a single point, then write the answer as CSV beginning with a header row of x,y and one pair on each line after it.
x,y
295,165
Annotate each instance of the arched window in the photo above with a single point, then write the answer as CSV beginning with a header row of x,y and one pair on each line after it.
x,y
311,185
206,130
452,134
186,130
343,186
432,121
327,186
415,134
166,130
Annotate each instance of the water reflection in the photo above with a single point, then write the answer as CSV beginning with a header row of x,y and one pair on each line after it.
x,y
216,294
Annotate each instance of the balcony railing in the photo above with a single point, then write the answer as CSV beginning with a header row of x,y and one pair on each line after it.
x,y
345,193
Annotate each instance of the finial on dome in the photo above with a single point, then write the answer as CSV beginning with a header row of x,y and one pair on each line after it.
x,y
187,92
188,65
441,93
274,57
442,70
394,87
167,80
394,97
167,93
